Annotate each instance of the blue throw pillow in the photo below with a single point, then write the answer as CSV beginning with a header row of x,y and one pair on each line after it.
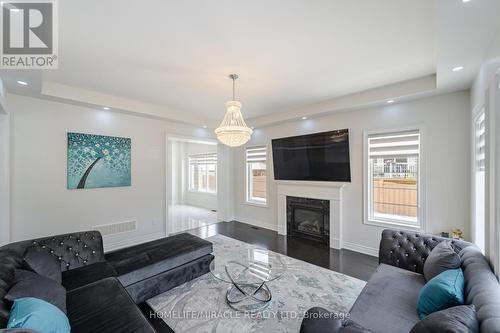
x,y
441,292
37,315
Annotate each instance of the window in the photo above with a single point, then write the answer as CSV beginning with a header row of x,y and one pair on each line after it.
x,y
203,172
256,175
479,179
392,179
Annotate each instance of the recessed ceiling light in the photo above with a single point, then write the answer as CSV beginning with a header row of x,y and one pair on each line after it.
x,y
205,126
304,118
390,101
465,0
458,68
106,108
23,83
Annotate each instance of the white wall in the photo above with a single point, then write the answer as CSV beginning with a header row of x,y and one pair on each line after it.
x,y
4,168
225,186
485,92
4,179
40,202
446,143
175,176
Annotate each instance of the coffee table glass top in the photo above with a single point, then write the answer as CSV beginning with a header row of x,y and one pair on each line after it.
x,y
254,267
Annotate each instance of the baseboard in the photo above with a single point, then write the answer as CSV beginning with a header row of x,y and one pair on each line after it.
x,y
371,251
256,223
110,246
335,243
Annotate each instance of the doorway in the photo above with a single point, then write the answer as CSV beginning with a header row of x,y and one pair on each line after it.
x,y
192,181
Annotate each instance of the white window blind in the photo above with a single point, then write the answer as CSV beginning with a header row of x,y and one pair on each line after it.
x,y
206,158
394,145
256,154
480,142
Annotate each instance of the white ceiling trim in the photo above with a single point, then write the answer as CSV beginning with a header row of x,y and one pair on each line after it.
x,y
401,90
398,91
116,103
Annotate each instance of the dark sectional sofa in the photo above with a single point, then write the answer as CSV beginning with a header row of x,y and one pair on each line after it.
x,y
388,303
103,289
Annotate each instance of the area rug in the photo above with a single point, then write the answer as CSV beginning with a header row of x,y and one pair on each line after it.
x,y
200,305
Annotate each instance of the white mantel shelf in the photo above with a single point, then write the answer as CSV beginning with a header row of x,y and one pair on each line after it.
x,y
331,191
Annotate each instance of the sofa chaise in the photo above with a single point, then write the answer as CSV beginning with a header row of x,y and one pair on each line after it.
x,y
103,289
388,303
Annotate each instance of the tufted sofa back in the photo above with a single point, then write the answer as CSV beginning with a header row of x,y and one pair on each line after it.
x,y
73,250
481,289
409,250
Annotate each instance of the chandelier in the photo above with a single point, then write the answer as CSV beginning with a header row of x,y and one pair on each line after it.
x,y
233,131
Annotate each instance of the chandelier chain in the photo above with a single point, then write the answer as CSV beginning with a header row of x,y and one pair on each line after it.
x,y
234,77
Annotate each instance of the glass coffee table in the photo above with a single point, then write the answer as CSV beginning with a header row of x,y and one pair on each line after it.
x,y
248,276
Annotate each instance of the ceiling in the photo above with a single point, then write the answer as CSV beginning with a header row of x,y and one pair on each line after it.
x,y
173,57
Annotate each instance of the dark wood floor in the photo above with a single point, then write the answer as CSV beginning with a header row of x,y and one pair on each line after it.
x,y
351,263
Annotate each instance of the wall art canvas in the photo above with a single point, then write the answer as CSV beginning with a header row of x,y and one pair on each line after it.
x,y
98,161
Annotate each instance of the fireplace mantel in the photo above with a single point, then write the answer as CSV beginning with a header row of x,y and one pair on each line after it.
x,y
315,190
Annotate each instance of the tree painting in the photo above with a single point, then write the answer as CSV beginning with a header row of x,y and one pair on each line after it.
x,y
98,161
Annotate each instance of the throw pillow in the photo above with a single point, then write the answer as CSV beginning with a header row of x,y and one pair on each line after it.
x,y
30,284
458,319
38,315
441,292
9,261
43,263
441,258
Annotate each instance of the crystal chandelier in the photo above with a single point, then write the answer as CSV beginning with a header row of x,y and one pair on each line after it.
x,y
233,131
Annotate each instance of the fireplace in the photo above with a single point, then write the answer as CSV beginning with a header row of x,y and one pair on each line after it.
x,y
308,218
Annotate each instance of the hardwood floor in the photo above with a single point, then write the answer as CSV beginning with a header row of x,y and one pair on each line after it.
x,y
351,263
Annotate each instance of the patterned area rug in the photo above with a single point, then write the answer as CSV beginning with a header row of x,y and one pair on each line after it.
x,y
200,305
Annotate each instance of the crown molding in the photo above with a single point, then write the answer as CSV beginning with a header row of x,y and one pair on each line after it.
x,y
414,88
79,96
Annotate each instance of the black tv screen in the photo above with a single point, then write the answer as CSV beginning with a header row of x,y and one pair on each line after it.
x,y
313,157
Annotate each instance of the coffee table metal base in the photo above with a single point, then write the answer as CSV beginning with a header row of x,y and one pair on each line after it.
x,y
248,297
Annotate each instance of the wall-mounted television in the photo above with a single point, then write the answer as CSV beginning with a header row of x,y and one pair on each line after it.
x,y
313,157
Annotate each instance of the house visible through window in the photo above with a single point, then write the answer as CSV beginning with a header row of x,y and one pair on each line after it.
x,y
256,178
203,172
392,186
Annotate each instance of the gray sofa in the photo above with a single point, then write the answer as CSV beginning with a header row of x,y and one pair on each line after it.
x,y
388,303
103,289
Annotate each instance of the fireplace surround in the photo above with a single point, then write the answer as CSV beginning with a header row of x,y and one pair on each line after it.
x,y
308,218
330,191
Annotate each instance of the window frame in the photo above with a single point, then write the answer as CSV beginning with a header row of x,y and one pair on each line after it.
x,y
421,183
248,187
478,112
190,185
